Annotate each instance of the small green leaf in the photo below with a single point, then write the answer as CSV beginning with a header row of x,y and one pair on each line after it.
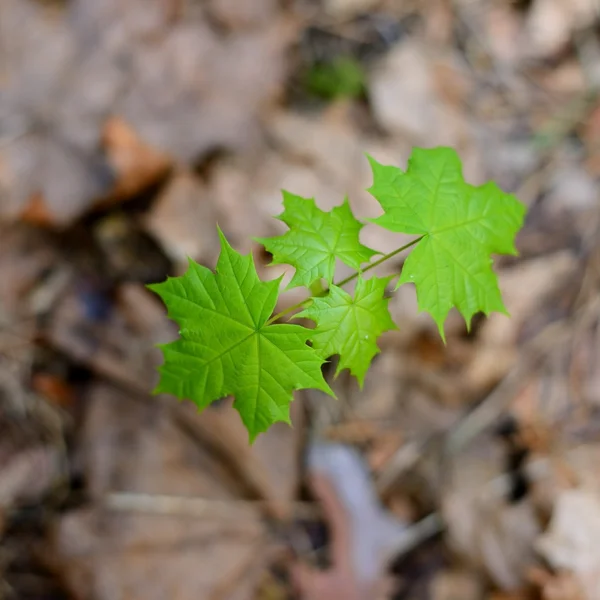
x,y
227,348
342,77
315,239
350,326
461,226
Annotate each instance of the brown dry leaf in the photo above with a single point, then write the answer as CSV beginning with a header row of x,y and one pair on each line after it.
x,y
503,539
248,195
105,556
451,79
378,401
584,376
117,454
402,92
557,586
321,157
36,212
331,143
525,595
384,447
131,445
136,165
456,585
354,432
107,345
25,254
572,542
348,9
196,91
438,371
504,31
404,96
491,533
591,136
233,15
565,468
183,219
583,461
571,190
552,23
524,288
31,452
175,90
50,102
278,451
439,24
54,389
27,474
562,587
268,469
566,81
144,313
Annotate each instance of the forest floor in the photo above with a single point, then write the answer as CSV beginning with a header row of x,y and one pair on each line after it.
x,y
128,130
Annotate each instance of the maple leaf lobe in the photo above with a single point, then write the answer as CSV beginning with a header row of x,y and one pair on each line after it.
x,y
226,346
461,226
350,325
315,239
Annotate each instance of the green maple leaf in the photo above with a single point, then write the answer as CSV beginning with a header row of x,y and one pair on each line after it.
x,y
227,346
350,326
461,226
315,239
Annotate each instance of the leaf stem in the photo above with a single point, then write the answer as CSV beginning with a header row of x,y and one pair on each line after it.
x,y
348,279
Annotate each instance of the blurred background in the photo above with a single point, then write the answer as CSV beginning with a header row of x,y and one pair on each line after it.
x,y
128,129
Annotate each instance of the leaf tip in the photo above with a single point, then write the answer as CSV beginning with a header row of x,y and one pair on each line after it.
x,y
439,321
375,168
153,287
504,311
161,387
360,378
371,160
222,238
325,386
442,333
265,243
191,262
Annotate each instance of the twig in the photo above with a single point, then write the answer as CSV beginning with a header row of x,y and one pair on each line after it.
x,y
343,282
195,507
257,557
416,534
401,461
487,412
11,138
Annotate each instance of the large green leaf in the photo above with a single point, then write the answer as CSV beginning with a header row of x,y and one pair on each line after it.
x,y
461,226
349,326
227,347
315,239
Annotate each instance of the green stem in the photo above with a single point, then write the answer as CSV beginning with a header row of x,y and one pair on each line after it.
x,y
348,279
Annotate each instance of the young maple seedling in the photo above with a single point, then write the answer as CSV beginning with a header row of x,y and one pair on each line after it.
x,y
230,341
